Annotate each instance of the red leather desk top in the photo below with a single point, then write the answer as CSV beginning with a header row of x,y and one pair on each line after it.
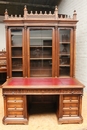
x,y
41,82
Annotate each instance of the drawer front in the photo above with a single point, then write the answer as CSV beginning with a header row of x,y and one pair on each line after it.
x,y
70,113
15,105
70,97
14,98
15,101
15,113
15,109
70,105
15,116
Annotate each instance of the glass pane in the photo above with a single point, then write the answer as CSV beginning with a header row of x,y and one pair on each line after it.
x,y
16,52
41,68
64,52
64,35
16,37
64,49
40,53
64,60
17,74
64,71
17,64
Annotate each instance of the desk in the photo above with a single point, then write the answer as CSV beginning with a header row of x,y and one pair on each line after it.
x,y
3,67
15,91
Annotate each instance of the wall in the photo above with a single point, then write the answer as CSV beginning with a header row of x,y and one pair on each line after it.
x,y
2,37
67,7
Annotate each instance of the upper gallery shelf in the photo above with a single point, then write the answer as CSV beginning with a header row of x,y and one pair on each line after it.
x,y
45,16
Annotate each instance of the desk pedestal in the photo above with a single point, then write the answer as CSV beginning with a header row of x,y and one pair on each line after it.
x,y
15,109
70,109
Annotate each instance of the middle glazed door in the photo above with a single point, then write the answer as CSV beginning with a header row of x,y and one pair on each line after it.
x,y
40,50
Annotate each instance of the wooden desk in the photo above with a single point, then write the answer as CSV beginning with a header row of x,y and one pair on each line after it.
x,y
3,67
15,91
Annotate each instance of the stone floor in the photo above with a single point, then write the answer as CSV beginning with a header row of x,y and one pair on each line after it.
x,y
45,121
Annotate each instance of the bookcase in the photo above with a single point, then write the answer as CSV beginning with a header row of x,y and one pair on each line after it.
x,y
40,45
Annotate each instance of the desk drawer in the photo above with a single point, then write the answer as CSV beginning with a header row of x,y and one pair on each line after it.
x,y
14,101
70,105
9,98
69,113
15,113
15,109
70,97
16,116
15,105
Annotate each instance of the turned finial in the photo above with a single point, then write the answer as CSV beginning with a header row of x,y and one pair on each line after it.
x,y
25,8
6,14
56,8
25,11
56,12
74,15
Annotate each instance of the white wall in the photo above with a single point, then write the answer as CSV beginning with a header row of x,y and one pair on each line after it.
x,y
67,7
2,37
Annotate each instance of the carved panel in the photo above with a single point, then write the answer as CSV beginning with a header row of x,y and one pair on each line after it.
x,y
41,91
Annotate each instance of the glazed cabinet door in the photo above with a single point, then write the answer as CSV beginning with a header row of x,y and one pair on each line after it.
x,y
16,52
65,52
40,52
